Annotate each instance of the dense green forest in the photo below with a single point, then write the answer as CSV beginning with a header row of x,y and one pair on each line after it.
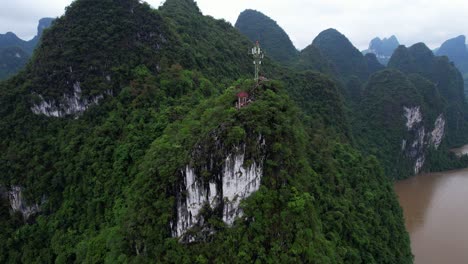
x,y
258,27
125,112
436,98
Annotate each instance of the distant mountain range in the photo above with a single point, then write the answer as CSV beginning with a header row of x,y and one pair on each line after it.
x,y
383,48
15,52
455,49
427,83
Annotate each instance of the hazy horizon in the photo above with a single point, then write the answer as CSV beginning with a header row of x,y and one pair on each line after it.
x,y
430,22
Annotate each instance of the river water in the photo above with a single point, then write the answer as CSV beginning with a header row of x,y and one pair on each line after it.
x,y
435,207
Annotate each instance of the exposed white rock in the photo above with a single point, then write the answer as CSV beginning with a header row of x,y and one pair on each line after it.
x,y
438,133
419,140
238,182
419,164
18,203
413,116
197,195
417,149
17,55
68,105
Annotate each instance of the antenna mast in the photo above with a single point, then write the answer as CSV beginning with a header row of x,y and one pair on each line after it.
x,y
258,56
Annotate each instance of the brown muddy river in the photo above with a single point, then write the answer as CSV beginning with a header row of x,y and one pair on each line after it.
x,y
436,214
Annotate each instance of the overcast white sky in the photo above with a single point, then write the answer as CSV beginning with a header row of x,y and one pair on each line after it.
x,y
429,21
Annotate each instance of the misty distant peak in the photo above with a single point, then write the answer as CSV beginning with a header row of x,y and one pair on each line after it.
x,y
383,48
456,44
43,24
456,50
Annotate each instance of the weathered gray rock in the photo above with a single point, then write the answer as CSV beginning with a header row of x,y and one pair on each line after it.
x,y
14,195
69,105
417,145
234,182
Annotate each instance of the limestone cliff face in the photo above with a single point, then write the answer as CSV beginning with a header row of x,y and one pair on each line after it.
x,y
68,105
18,203
419,141
216,184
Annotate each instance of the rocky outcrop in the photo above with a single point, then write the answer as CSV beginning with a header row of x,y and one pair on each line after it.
x,y
413,116
233,179
18,203
417,133
418,141
437,135
69,105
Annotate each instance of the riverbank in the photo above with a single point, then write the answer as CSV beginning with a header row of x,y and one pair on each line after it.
x,y
436,213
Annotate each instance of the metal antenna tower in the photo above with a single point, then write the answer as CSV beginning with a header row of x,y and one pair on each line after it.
x,y
258,56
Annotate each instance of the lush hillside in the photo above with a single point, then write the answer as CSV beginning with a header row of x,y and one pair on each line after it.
x,y
258,27
383,48
313,198
213,46
402,118
339,50
410,118
12,60
419,59
436,82
311,58
319,98
130,149
373,63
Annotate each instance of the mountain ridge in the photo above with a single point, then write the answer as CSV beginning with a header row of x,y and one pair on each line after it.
x,y
259,27
11,64
149,172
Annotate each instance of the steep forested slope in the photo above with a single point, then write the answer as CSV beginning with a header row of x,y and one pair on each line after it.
x,y
311,204
401,119
311,58
339,50
438,99
258,27
132,149
419,59
213,46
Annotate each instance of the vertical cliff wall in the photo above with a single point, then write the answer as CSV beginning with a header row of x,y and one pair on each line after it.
x,y
416,145
215,181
